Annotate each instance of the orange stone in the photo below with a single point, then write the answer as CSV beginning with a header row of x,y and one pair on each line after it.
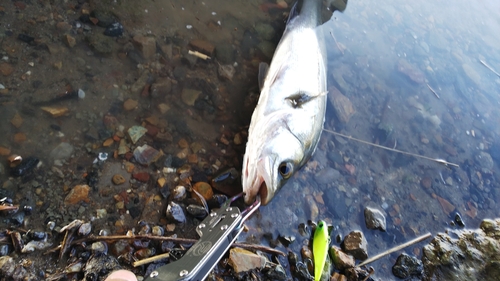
x,y
20,137
77,194
108,142
192,158
204,189
448,208
4,151
183,143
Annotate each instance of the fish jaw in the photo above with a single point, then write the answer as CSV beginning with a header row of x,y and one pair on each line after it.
x,y
258,180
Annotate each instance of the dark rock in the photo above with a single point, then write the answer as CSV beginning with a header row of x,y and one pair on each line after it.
x,y
374,219
17,218
340,259
26,166
216,201
468,255
4,250
197,211
458,220
114,30
105,19
407,266
25,38
355,244
175,213
327,176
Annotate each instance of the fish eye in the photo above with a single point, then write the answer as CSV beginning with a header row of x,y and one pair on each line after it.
x,y
285,169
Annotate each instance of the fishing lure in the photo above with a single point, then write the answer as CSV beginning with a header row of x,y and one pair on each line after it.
x,y
321,240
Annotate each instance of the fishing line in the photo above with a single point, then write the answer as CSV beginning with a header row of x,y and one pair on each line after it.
x,y
437,160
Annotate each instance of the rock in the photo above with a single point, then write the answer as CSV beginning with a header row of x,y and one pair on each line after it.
x,y
340,259
77,194
265,31
70,41
6,69
63,26
202,46
355,244
20,137
175,213
146,44
189,96
55,111
374,219
130,104
100,43
141,176
204,189
118,179
226,72
62,152
225,53
146,154
161,87
410,71
426,182
4,151
242,260
108,142
178,193
467,255
407,266
327,176
17,120
484,160
164,108
141,82
197,211
266,48
341,104
114,30
136,132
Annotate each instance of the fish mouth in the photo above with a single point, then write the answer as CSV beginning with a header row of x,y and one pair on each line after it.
x,y
263,193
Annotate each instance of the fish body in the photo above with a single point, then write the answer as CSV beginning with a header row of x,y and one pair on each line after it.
x,y
287,122
321,239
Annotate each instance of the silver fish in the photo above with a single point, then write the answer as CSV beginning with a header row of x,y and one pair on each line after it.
x,y
287,122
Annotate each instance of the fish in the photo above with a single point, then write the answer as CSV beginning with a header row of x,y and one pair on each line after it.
x,y
288,120
321,240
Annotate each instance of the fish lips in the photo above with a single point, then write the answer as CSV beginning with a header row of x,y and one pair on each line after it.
x,y
265,180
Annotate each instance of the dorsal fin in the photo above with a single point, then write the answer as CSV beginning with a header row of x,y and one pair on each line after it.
x,y
263,69
300,98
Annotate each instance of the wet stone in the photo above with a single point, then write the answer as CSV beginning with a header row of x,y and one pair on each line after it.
x,y
146,44
130,104
146,154
175,213
77,194
100,44
341,104
114,30
242,260
484,160
226,72
327,176
141,176
118,179
340,259
202,46
62,152
136,132
6,69
407,266
204,189
374,219
189,96
197,211
265,31
355,244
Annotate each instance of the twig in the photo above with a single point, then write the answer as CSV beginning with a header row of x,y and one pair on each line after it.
x,y
489,67
199,55
150,259
397,248
338,46
163,238
434,92
437,160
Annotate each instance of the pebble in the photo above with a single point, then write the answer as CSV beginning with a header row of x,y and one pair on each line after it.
x,y
77,194
130,104
407,266
146,44
189,96
114,30
63,151
108,142
226,72
17,120
484,160
6,69
340,259
164,108
136,132
204,189
375,219
118,179
426,182
55,111
146,154
141,176
355,244
327,176
175,213
70,40
161,87
242,260
20,137
63,26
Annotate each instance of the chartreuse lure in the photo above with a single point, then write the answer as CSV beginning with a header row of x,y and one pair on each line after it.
x,y
321,240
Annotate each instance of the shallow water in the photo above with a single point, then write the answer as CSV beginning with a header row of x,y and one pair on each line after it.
x,y
383,58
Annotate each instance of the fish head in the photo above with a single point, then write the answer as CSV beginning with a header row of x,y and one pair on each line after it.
x,y
269,162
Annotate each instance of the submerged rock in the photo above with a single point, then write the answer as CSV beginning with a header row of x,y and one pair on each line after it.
x,y
355,244
471,256
407,266
374,219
